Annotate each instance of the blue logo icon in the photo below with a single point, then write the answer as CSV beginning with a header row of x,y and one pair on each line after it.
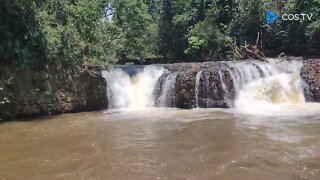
x,y
271,16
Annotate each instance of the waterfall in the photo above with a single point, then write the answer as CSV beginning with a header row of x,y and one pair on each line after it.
x,y
246,72
266,85
133,92
278,89
274,80
208,88
197,86
165,90
242,85
224,88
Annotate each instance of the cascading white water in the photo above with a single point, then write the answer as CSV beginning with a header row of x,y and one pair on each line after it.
x,y
267,93
167,90
256,84
277,83
203,88
132,92
197,85
224,87
246,72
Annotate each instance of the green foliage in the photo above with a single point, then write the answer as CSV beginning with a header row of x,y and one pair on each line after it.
x,y
297,37
248,20
60,33
76,33
133,20
176,20
195,44
20,39
209,37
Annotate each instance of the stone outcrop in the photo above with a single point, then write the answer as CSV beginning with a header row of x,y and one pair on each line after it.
x,y
310,73
211,93
28,93
215,88
184,90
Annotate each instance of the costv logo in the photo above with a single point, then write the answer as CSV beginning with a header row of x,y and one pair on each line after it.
x,y
272,16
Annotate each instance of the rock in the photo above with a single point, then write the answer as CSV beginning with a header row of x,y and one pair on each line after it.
x,y
185,89
310,73
94,91
35,94
212,93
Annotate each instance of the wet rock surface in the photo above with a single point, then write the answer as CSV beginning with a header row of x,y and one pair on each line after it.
x,y
310,73
185,89
213,89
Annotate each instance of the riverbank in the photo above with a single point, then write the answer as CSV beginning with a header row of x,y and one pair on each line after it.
x,y
29,93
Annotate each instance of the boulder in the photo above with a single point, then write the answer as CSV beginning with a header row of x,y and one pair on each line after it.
x,y
310,73
214,90
185,89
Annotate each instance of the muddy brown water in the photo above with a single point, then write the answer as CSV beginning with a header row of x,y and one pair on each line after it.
x,y
162,144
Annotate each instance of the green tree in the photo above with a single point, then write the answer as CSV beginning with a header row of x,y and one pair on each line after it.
x,y
133,20
20,39
177,18
247,21
75,32
296,37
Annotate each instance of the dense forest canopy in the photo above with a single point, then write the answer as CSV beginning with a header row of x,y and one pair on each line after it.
x,y
78,33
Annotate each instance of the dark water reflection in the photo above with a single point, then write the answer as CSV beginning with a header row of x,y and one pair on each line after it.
x,y
162,144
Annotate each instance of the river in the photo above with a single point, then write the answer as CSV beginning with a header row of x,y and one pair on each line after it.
x,y
163,144
268,132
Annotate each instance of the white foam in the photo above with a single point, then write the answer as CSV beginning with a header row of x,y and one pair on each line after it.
x,y
132,93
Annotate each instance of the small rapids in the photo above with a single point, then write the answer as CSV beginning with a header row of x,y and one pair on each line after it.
x,y
267,95
273,88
